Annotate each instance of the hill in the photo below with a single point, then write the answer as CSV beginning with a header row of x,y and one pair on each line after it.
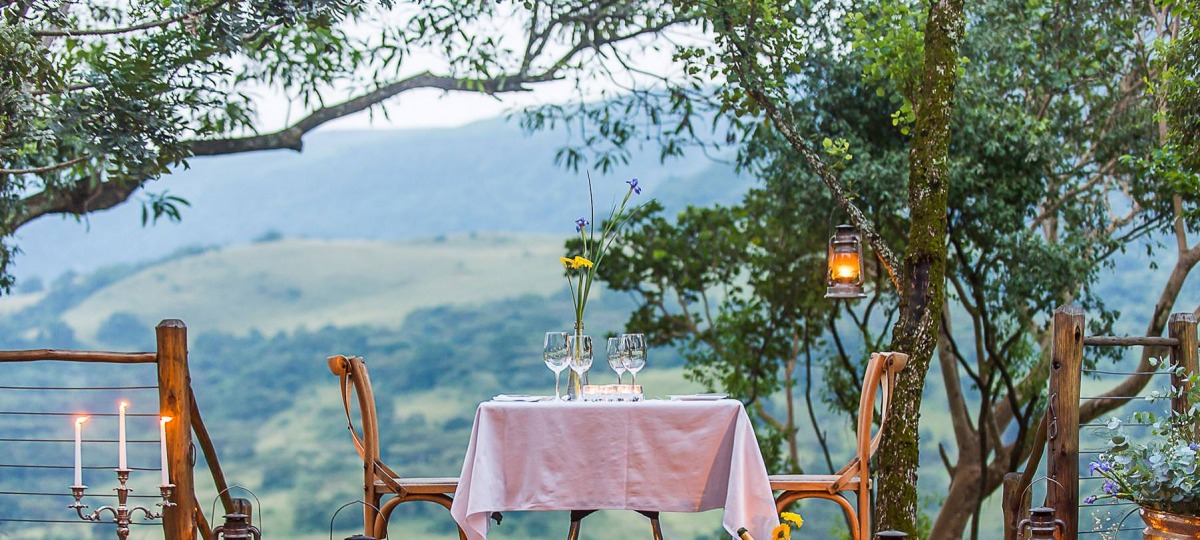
x,y
487,176
291,284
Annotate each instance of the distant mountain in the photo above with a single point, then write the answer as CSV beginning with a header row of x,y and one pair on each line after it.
x,y
487,176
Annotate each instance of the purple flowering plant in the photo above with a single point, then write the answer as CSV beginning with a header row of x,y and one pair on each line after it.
x,y
581,268
1157,471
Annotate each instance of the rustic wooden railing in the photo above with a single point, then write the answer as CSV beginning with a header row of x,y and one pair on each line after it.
x,y
176,400
1059,430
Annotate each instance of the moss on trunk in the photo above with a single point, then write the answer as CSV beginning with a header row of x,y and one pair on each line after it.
x,y
923,276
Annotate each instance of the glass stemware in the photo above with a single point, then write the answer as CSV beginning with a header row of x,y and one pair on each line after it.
x,y
579,353
635,357
556,352
616,356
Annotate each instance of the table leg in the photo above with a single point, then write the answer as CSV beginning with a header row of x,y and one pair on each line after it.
x,y
576,517
655,529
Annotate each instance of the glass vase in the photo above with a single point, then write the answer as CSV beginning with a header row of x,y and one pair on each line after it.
x,y
574,381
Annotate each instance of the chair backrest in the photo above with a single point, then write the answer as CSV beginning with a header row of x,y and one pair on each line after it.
x,y
879,379
352,372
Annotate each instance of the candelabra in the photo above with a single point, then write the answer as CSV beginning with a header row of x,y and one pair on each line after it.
x,y
122,514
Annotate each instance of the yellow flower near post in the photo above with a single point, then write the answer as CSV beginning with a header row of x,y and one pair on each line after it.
x,y
793,518
567,262
581,262
783,531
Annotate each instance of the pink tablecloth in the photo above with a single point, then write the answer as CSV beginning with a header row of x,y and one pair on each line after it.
x,y
670,456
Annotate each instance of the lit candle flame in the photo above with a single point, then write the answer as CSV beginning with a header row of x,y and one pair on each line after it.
x,y
80,420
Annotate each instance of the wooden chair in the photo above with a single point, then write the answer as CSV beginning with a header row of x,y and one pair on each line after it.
x,y
380,480
855,477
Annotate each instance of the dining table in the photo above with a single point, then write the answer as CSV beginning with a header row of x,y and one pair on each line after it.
x,y
659,455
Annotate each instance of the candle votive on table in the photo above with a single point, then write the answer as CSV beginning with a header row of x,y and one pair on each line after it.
x,y
612,392
591,392
627,392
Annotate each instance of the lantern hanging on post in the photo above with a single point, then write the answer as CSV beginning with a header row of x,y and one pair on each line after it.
x,y
845,274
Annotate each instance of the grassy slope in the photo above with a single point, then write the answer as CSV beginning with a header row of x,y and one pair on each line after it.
x,y
312,283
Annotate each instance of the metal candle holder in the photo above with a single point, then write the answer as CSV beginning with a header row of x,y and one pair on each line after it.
x,y
122,514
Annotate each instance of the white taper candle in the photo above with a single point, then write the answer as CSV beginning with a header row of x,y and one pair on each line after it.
x,y
162,441
79,449
121,462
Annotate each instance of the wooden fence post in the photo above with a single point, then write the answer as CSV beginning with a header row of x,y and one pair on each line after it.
x,y
1062,451
1182,326
1016,504
174,400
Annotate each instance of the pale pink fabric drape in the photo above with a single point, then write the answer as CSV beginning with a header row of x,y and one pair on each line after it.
x,y
670,456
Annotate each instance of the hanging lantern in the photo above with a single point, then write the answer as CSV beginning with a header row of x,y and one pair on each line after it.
x,y
845,264
238,523
1042,525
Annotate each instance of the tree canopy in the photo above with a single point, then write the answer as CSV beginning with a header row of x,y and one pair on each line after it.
x,y
1049,119
100,98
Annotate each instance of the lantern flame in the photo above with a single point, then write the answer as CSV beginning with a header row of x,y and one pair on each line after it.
x,y
844,266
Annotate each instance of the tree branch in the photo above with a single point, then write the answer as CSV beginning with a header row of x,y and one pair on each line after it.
x,y
84,197
965,434
1133,384
47,168
886,256
128,29
290,137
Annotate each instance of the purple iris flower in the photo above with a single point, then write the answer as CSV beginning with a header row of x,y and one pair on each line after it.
x,y
1194,446
580,224
1090,499
1110,487
633,184
1100,466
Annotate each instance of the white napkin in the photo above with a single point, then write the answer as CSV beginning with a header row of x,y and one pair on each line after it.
x,y
699,397
521,398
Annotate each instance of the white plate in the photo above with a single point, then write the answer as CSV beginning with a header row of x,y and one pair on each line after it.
x,y
699,397
521,398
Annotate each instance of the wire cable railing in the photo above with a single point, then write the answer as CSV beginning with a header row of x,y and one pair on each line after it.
x,y
35,452
1073,432
38,462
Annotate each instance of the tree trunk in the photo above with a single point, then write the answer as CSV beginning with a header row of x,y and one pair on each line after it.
x,y
922,279
961,501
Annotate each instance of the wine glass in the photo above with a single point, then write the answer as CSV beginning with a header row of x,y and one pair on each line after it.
x,y
579,354
555,352
616,357
635,356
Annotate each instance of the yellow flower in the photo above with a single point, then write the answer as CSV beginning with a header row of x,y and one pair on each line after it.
x,y
792,517
781,532
567,262
582,262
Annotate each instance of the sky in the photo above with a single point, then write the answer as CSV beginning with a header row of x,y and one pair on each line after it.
x,y
426,108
